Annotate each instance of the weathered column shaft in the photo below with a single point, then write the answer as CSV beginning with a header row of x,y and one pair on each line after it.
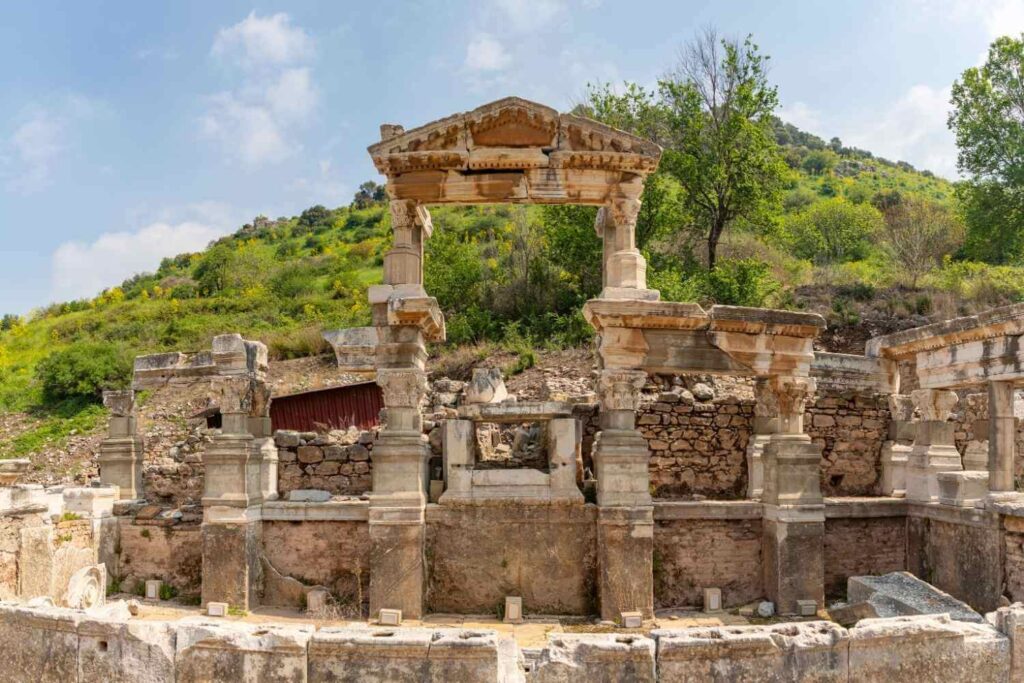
x,y
897,448
1002,437
794,512
410,224
766,423
625,535
121,453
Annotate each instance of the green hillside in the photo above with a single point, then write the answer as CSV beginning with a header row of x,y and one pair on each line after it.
x,y
516,276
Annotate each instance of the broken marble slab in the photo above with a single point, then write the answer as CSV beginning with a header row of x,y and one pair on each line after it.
x,y
903,594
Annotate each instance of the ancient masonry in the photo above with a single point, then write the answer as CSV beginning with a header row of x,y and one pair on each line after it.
x,y
658,494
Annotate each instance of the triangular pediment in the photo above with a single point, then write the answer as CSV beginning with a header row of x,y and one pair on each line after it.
x,y
510,134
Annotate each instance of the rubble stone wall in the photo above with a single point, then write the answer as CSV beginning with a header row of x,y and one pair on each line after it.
x,y
478,555
173,554
338,462
851,428
693,554
855,547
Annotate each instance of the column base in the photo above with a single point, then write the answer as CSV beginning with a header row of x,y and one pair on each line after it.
x,y
120,461
232,571
625,560
397,565
621,461
793,555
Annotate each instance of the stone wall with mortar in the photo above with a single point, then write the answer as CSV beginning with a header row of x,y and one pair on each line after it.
x,y
338,462
851,428
173,554
546,554
332,554
859,546
1013,549
693,554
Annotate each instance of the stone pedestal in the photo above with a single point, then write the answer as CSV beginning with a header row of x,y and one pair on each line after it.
x,y
896,450
625,541
232,527
397,531
933,452
625,561
121,453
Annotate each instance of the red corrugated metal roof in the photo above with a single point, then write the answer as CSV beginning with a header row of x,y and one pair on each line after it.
x,y
340,407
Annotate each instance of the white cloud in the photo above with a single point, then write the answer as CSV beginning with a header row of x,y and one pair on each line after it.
x,y
263,41
41,137
912,129
80,268
530,15
486,53
256,122
801,115
323,187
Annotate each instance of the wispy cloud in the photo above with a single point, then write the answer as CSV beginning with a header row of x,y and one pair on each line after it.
x,y
41,137
486,53
530,15
801,115
86,268
255,122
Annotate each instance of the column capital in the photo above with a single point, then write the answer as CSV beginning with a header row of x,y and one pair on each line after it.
x,y
402,388
620,389
791,394
237,395
120,403
409,214
901,407
934,405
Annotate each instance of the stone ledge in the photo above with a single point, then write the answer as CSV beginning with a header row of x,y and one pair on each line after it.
x,y
331,511
707,509
975,517
845,508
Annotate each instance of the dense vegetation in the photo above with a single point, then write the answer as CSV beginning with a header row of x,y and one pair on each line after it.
x,y
745,209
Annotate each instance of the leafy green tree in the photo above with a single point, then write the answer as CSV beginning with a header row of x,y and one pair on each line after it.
x,y
314,216
368,194
833,230
719,135
819,161
83,371
988,120
919,233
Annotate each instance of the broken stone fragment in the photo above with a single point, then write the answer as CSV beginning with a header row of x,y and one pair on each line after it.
x,y
487,386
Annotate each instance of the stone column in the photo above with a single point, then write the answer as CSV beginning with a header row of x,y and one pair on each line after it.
x,y
794,512
397,503
625,270
766,423
1002,437
896,450
231,500
410,225
625,531
121,453
934,450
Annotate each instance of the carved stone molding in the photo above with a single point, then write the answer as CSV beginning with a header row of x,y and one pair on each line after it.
x,y
934,404
766,403
620,389
403,388
901,407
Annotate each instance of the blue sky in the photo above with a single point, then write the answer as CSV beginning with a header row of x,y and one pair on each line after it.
x,y
130,131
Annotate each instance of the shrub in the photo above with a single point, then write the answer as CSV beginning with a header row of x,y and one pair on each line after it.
x,y
744,282
83,370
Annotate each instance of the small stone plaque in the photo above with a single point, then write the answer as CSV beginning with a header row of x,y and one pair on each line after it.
x,y
153,589
712,599
216,609
513,610
390,617
316,600
807,608
632,620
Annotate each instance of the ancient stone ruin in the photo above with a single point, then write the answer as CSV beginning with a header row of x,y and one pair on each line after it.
x,y
834,479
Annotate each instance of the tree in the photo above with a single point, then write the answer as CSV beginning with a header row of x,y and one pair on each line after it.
x,y
369,193
819,161
718,133
314,216
833,230
988,120
919,233
83,371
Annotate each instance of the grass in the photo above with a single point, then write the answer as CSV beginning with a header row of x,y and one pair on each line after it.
x,y
53,425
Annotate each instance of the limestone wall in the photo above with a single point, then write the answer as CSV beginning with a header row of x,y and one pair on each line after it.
x,y
859,546
958,551
477,555
332,554
1013,553
173,554
51,644
851,428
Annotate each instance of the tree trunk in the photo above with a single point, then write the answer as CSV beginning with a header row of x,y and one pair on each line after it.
x,y
713,237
